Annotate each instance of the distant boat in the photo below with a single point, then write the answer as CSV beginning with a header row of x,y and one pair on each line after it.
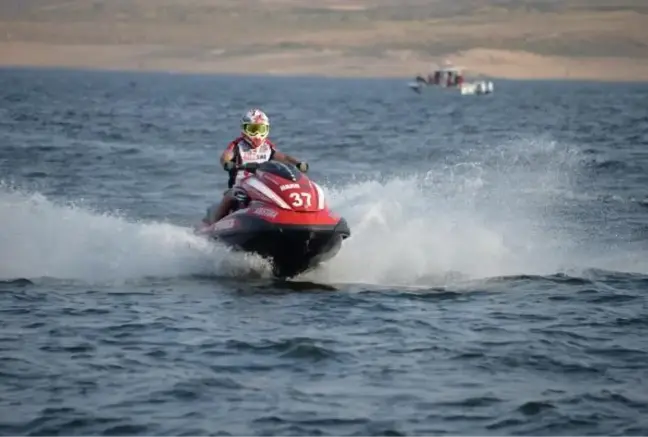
x,y
477,87
451,78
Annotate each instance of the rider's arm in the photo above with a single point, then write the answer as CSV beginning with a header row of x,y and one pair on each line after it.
x,y
228,153
279,156
282,157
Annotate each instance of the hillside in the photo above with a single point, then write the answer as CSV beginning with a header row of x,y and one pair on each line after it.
x,y
518,39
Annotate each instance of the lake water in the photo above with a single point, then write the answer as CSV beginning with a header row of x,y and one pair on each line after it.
x,y
495,281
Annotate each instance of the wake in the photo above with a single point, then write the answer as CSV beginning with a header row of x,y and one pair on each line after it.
x,y
482,216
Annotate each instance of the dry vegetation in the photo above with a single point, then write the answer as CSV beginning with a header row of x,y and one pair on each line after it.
x,y
515,38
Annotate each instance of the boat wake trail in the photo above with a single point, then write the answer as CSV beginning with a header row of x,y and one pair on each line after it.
x,y
511,211
42,239
514,210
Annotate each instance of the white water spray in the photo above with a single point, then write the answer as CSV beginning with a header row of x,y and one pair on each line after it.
x,y
491,213
39,238
475,218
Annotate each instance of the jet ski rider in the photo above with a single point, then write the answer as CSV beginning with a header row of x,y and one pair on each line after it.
x,y
251,147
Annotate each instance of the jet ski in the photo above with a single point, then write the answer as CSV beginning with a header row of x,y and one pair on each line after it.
x,y
285,220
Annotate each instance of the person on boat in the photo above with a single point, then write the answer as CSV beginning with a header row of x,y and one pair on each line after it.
x,y
252,146
450,79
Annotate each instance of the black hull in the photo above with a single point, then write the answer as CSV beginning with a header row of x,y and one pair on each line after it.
x,y
292,249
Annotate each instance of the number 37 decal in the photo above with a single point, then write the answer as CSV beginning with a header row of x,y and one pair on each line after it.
x,y
300,199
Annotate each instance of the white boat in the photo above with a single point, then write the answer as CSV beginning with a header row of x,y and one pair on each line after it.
x,y
449,77
477,87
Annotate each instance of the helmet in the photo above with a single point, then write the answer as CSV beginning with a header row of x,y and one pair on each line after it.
x,y
255,126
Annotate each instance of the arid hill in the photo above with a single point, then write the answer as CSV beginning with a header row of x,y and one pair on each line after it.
x,y
514,38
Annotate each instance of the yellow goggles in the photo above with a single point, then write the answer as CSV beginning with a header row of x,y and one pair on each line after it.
x,y
256,129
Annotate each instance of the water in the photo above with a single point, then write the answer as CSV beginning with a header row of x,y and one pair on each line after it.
x,y
495,282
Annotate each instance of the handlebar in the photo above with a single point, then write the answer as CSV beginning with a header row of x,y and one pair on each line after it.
x,y
250,166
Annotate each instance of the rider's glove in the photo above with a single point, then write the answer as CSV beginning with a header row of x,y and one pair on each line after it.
x,y
303,166
229,165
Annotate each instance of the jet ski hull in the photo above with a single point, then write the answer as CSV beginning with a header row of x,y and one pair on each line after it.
x,y
291,248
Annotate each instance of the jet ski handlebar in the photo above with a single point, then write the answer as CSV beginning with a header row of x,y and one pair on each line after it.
x,y
250,166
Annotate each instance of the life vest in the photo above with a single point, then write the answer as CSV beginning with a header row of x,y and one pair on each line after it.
x,y
244,153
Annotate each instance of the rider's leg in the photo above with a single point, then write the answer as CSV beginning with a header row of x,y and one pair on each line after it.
x,y
217,212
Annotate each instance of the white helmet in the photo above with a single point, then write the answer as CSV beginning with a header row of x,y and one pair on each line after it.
x,y
255,126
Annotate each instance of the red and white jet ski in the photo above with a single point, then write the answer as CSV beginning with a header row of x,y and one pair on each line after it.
x,y
286,220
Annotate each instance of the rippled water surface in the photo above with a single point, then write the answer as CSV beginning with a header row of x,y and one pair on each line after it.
x,y
495,281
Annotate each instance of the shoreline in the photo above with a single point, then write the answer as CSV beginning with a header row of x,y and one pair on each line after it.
x,y
489,63
405,79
